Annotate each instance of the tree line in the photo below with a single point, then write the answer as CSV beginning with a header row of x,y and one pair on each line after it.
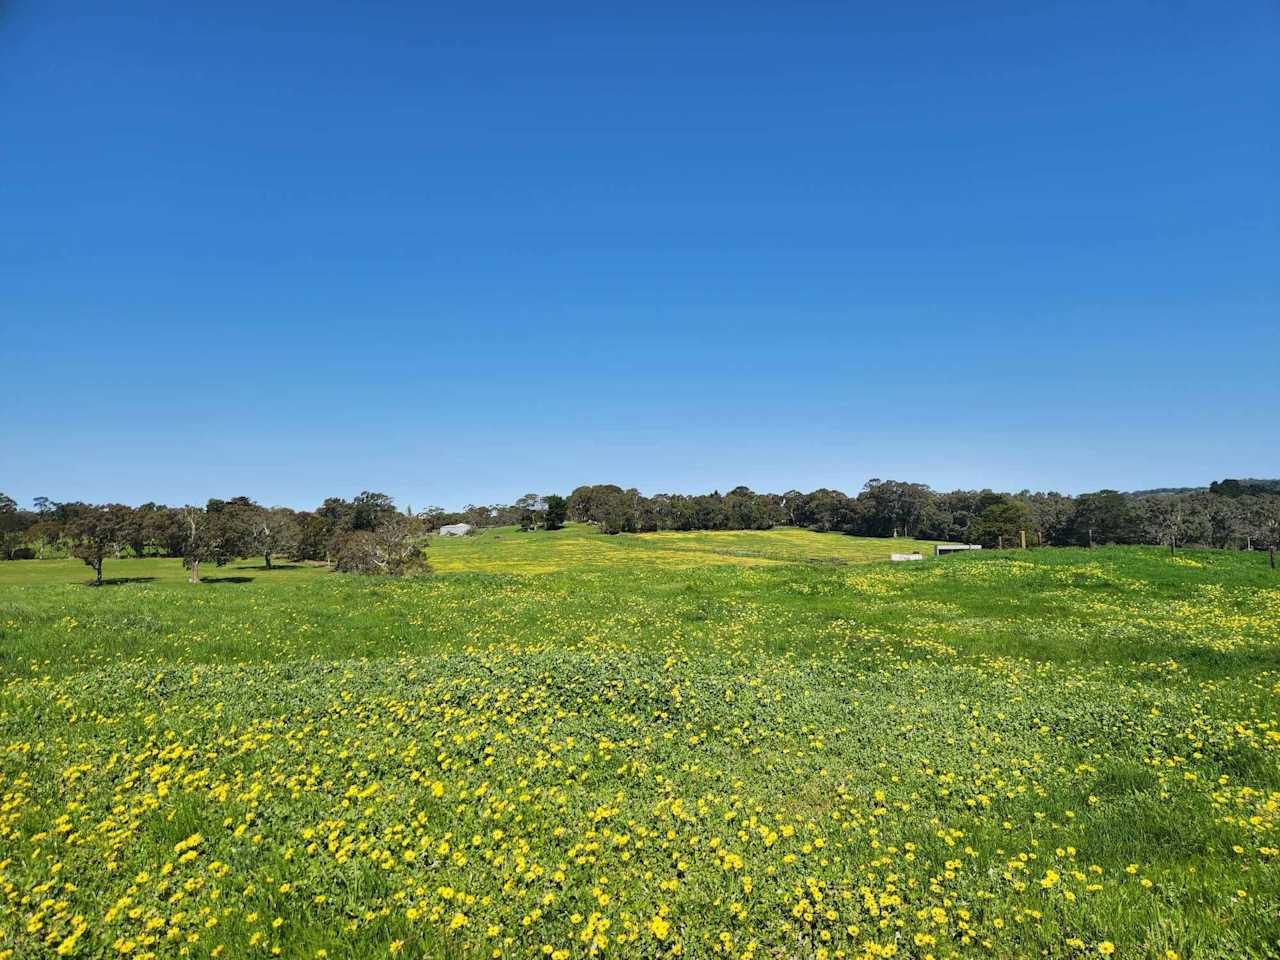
x,y
369,533
1233,513
366,533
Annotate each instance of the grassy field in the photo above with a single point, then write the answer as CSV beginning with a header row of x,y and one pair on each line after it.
x,y
748,745
579,548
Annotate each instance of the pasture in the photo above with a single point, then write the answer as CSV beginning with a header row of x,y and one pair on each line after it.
x,y
748,745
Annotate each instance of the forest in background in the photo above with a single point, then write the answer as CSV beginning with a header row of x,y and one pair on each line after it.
x,y
1242,514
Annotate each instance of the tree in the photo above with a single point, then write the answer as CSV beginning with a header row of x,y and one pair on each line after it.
x,y
530,508
586,502
1261,521
196,536
164,527
368,510
96,533
12,528
1104,517
556,512
745,510
613,514
46,534
477,516
678,512
133,533
999,524
146,523
313,536
1050,516
1162,520
395,548
433,517
787,504
232,523
217,534
607,505
1224,521
892,507
825,510
274,531
11,525
709,512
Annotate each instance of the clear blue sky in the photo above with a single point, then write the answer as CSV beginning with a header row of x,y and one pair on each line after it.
x,y
459,252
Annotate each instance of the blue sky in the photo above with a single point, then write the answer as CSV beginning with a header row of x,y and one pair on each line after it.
x,y
457,253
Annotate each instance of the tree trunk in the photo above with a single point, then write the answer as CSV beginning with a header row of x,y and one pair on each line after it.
x,y
267,558
195,571
97,569
1273,556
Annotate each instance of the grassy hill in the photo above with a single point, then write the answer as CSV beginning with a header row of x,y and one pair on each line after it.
x,y
713,744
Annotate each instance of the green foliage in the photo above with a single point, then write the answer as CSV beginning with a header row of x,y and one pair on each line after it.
x,y
1105,517
1000,523
1244,488
557,512
98,532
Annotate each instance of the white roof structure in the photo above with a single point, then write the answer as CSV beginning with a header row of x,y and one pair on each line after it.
x,y
456,529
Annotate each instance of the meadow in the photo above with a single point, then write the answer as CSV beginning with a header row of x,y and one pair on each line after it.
x,y
726,744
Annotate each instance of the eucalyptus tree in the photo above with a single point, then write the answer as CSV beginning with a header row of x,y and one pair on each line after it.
x,y
274,532
98,532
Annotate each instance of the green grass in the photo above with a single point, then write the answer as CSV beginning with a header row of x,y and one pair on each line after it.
x,y
711,744
162,570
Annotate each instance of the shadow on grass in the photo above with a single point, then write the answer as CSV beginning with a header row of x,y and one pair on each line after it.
x,y
117,581
274,566
226,579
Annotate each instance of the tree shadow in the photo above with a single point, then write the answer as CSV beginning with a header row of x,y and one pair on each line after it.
x,y
117,581
226,579
273,567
